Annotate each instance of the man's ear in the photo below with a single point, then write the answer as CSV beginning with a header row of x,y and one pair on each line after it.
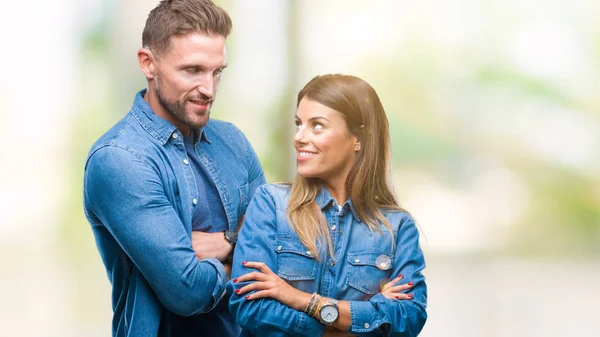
x,y
147,63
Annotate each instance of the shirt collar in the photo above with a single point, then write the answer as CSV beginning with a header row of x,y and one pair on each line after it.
x,y
324,200
203,136
158,127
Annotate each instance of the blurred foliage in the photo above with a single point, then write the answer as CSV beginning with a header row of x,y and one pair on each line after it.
x,y
439,139
96,105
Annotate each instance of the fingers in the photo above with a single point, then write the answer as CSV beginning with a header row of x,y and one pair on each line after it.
x,y
391,283
395,292
253,276
258,265
398,296
399,288
254,286
259,294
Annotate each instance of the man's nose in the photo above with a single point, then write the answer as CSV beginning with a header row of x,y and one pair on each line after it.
x,y
206,86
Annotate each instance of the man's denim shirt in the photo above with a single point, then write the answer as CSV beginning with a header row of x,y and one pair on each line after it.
x,y
139,197
363,260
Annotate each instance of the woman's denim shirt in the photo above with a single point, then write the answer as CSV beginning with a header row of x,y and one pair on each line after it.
x,y
139,197
354,274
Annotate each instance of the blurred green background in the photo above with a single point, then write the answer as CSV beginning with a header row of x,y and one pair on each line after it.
x,y
495,121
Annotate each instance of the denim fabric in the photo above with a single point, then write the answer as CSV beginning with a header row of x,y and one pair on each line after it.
x,y
139,196
209,215
353,273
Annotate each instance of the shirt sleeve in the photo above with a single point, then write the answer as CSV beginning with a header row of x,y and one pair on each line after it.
x,y
402,318
265,316
126,195
256,176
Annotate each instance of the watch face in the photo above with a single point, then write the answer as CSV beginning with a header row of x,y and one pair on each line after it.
x,y
329,313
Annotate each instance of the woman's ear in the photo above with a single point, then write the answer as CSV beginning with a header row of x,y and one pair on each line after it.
x,y
357,137
147,63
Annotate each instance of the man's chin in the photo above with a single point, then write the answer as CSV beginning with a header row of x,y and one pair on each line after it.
x,y
197,124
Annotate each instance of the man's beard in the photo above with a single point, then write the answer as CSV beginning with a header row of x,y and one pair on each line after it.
x,y
177,109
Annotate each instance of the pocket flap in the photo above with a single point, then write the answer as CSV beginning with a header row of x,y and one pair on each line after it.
x,y
377,260
291,245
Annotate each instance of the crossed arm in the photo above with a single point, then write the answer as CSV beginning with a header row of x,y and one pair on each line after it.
x,y
266,284
126,196
275,308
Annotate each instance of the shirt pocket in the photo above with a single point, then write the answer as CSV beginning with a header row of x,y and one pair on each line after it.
x,y
366,273
295,262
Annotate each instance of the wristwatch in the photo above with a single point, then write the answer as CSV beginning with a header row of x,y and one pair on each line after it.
x,y
231,236
329,312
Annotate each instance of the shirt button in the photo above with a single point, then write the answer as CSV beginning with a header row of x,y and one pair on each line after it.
x,y
185,161
367,325
279,248
333,228
308,252
340,232
333,264
357,261
175,136
195,201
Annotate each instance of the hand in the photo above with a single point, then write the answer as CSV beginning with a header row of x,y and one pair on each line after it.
x,y
392,291
211,245
268,284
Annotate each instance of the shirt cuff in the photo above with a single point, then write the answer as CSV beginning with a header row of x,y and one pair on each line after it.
x,y
309,326
362,318
219,290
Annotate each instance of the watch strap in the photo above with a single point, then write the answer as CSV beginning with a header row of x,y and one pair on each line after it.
x,y
230,236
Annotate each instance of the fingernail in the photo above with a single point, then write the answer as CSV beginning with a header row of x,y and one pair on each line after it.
x,y
410,284
410,295
248,297
237,291
244,263
400,276
234,280
397,297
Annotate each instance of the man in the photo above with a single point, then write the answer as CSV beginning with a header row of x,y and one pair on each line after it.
x,y
165,188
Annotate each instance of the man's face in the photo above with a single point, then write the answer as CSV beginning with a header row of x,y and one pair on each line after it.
x,y
187,77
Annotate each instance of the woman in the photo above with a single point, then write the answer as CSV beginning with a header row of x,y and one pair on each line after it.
x,y
326,254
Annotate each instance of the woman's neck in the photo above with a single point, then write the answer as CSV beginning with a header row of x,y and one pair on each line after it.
x,y
337,191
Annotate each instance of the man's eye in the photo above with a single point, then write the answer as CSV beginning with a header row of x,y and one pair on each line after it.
x,y
218,73
192,70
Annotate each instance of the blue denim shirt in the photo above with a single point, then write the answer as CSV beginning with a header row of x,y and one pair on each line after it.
x,y
139,197
352,274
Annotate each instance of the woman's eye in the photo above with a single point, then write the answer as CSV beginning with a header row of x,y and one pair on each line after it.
x,y
318,127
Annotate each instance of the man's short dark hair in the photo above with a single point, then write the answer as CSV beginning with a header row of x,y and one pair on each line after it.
x,y
181,17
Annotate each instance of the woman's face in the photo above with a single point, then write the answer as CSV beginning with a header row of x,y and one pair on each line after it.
x,y
325,148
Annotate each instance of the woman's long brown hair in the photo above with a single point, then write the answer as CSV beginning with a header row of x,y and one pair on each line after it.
x,y
369,180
